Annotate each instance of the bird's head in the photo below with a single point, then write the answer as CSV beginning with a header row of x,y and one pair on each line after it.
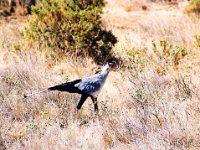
x,y
113,63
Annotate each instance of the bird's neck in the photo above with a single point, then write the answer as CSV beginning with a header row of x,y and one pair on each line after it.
x,y
105,70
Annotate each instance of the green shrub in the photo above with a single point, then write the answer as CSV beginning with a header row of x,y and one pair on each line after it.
x,y
137,57
168,55
194,6
71,27
164,56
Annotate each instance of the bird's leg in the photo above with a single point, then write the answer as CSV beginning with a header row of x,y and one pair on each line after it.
x,y
82,100
94,100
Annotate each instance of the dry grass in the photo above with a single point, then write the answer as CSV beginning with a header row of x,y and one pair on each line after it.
x,y
139,109
16,7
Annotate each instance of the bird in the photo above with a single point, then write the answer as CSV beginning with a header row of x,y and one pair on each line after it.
x,y
87,86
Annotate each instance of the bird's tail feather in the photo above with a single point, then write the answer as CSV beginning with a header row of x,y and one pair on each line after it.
x,y
60,87
68,87
38,92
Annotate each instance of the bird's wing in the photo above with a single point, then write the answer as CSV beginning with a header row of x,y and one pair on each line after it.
x,y
89,85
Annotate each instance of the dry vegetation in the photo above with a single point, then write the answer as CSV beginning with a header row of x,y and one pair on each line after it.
x,y
152,103
10,7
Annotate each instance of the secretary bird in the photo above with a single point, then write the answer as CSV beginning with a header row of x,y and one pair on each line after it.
x,y
87,86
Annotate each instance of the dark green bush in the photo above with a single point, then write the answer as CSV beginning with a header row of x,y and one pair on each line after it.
x,y
71,27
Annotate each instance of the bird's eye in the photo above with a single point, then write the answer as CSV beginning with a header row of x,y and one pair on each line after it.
x,y
110,64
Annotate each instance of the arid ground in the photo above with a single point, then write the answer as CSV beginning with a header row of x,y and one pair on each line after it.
x,y
151,102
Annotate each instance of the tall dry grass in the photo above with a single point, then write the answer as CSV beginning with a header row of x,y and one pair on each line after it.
x,y
13,7
139,109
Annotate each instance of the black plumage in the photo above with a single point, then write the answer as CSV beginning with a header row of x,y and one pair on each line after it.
x,y
68,87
